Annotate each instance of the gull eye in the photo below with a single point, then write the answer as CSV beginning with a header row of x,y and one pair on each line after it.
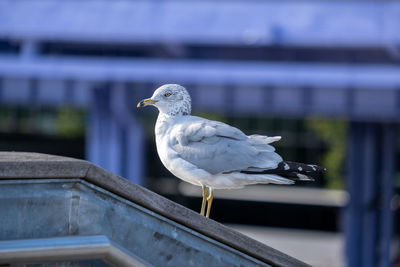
x,y
167,94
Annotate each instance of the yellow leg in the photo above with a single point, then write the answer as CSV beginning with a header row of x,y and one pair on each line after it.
x,y
209,202
203,203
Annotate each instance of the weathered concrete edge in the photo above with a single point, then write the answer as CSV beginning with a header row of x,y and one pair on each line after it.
x,y
49,167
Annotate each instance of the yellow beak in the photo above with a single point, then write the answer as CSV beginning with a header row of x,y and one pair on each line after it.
x,y
146,102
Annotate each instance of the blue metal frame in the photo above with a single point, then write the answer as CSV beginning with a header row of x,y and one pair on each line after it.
x,y
369,217
115,138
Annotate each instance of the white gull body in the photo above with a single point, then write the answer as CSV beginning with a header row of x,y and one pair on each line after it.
x,y
209,153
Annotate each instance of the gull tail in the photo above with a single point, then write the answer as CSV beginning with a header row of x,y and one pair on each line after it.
x,y
291,170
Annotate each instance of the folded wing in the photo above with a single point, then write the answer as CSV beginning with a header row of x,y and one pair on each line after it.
x,y
219,148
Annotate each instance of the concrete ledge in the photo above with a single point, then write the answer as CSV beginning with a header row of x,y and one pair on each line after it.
x,y
15,165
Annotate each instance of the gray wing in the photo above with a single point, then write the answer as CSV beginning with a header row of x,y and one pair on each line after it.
x,y
217,147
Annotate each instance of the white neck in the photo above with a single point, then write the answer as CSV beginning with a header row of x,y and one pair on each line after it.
x,y
181,110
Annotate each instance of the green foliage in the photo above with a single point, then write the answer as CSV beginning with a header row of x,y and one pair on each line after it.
x,y
70,122
333,133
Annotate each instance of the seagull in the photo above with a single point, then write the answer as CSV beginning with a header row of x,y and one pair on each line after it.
x,y
215,155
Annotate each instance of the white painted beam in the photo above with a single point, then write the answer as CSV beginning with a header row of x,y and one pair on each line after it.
x,y
297,23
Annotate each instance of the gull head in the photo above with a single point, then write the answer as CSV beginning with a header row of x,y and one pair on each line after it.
x,y
170,99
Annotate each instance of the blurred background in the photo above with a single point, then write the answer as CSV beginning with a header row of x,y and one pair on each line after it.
x,y
324,75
